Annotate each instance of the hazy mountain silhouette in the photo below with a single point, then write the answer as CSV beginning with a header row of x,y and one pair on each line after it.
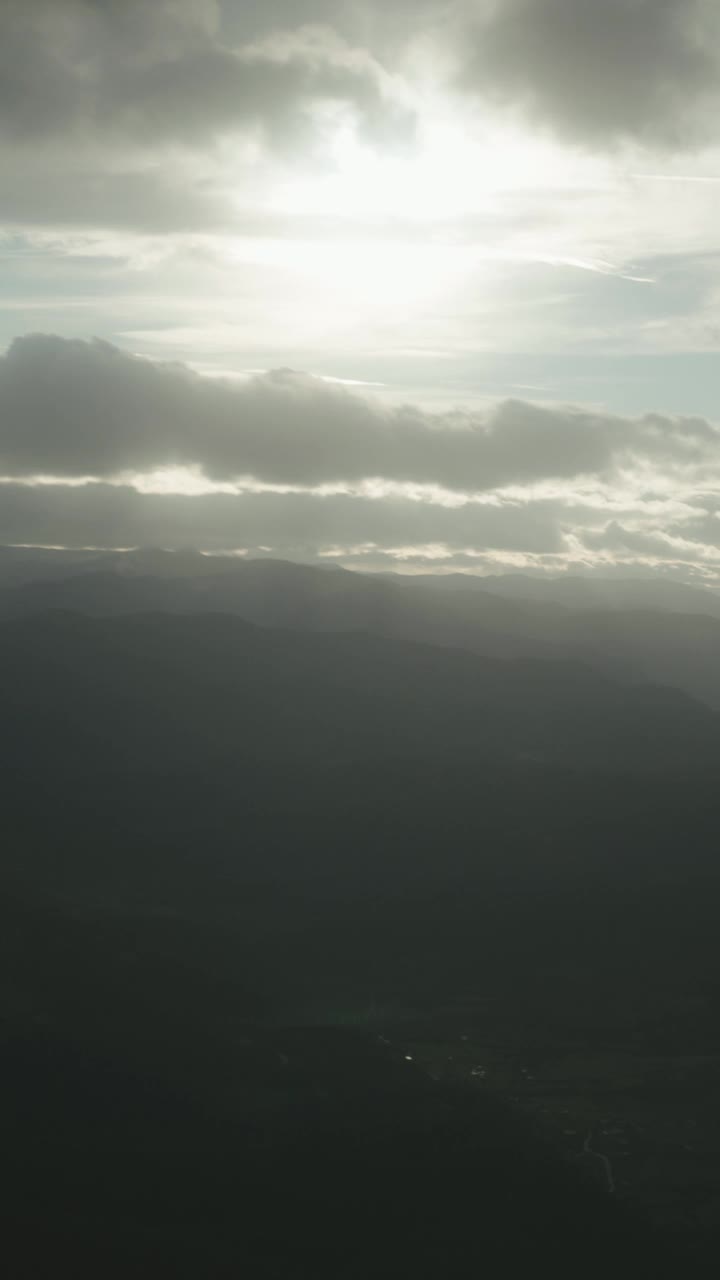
x,y
237,690
665,647
574,592
19,565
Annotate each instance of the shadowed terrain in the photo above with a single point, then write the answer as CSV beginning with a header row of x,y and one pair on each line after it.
x,y
215,832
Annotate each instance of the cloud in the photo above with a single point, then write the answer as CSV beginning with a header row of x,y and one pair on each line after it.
x,y
309,468
75,408
189,71
166,116
125,70
150,200
293,524
391,530
599,71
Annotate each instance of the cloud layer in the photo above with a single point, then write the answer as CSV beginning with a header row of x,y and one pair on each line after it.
x,y
304,524
289,462
101,100
189,71
462,199
162,72
618,70
86,408
519,531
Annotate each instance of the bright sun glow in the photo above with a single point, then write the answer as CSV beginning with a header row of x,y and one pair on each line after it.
x,y
448,174
398,226
366,271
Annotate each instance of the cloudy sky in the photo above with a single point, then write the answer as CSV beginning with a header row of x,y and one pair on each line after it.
x,y
410,284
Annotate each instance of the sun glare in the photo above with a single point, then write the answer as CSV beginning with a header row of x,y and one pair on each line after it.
x,y
377,269
448,174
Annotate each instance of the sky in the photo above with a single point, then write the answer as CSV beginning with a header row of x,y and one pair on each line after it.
x,y
411,285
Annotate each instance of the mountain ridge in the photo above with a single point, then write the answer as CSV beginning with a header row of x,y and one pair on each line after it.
x,y
659,646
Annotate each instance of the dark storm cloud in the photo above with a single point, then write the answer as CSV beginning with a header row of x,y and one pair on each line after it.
x,y
599,70
73,408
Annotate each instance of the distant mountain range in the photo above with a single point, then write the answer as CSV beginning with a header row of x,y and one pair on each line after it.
x,y
593,592
662,633
153,692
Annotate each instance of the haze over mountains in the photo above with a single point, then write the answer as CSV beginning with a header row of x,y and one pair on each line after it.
x,y
195,694
660,632
593,591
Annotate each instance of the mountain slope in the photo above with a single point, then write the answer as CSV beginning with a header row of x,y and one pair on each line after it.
x,y
663,647
216,837
574,592
130,685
